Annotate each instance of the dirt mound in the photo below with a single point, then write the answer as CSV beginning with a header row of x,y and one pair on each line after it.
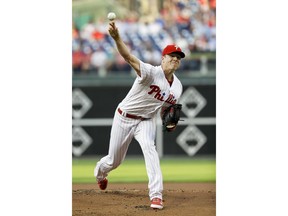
x,y
132,199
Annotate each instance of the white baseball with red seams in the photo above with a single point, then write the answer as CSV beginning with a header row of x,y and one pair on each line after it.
x,y
111,16
148,94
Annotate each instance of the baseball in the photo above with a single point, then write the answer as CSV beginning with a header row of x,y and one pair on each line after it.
x,y
111,16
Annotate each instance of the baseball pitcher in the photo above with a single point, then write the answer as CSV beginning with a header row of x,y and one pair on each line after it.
x,y
155,88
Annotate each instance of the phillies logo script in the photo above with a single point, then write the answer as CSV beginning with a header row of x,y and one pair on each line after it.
x,y
155,89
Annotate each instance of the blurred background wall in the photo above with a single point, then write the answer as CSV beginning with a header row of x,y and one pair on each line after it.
x,y
101,78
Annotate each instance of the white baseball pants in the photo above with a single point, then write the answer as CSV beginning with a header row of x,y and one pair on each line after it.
x,y
122,132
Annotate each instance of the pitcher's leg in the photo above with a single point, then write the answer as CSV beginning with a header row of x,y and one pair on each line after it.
x,y
154,173
145,135
120,138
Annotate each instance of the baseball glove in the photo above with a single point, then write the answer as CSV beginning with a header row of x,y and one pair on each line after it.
x,y
170,117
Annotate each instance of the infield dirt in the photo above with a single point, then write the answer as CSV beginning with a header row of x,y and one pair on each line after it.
x,y
180,199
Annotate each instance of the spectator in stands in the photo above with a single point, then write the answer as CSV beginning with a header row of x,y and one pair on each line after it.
x,y
99,60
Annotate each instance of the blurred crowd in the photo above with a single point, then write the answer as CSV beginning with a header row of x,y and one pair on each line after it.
x,y
191,24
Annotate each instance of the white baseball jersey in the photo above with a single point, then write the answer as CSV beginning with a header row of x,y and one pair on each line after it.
x,y
150,91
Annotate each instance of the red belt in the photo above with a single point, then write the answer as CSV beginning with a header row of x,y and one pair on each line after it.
x,y
129,115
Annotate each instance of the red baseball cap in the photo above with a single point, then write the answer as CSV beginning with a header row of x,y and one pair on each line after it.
x,y
172,48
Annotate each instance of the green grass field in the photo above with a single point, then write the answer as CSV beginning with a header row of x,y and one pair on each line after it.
x,y
133,170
